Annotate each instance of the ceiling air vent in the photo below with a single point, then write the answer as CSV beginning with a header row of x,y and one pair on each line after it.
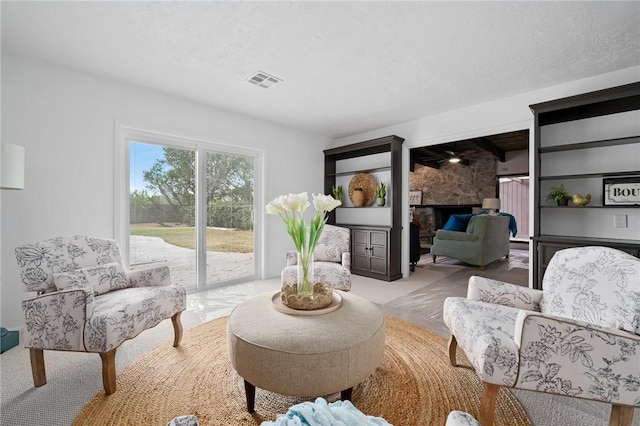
x,y
263,79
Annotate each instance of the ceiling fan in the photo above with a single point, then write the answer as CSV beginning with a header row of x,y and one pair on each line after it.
x,y
457,157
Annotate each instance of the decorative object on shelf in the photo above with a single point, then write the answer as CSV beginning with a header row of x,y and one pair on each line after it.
x,y
368,184
580,201
621,191
491,204
381,193
337,192
415,198
357,197
560,194
291,209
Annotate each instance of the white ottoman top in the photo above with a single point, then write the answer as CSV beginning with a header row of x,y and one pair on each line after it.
x,y
258,323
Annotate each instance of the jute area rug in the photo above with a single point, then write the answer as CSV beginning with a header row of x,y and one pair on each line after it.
x,y
414,385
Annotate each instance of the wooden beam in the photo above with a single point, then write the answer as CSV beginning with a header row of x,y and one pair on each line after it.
x,y
485,145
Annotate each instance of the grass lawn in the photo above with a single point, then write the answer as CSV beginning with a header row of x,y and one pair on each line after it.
x,y
230,241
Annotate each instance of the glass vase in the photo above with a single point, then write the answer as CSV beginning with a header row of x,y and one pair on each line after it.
x,y
305,273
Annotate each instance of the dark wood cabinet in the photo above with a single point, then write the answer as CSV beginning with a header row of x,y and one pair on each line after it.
x,y
376,232
546,247
580,141
370,253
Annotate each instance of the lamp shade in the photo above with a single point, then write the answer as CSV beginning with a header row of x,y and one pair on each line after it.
x,y
12,172
491,203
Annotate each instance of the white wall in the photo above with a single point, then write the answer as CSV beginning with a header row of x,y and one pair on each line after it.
x,y
65,120
500,116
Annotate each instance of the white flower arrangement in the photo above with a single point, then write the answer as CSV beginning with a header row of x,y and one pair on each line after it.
x,y
291,209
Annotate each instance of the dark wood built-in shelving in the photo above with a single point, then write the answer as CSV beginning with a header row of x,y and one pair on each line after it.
x,y
601,103
375,250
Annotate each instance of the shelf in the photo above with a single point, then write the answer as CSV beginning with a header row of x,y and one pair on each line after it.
x,y
591,240
591,175
588,145
368,207
390,267
587,105
591,207
562,161
377,169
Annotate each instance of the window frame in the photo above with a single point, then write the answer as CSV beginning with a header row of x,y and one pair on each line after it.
x,y
125,133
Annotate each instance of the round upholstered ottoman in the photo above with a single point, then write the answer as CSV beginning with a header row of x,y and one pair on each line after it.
x,y
305,355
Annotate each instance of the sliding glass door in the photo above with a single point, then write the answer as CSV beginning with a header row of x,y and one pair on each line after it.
x,y
162,212
229,217
191,207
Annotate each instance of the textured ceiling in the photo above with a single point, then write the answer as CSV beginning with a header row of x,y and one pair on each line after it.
x,y
347,67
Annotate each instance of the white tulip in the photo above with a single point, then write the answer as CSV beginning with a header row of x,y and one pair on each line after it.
x,y
325,203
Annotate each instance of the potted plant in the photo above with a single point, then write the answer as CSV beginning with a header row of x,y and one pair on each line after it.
x,y
337,192
560,194
381,193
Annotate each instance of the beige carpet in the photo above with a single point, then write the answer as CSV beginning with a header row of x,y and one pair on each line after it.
x,y
415,385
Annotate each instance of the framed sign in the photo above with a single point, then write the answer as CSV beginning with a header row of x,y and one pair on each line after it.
x,y
415,198
621,191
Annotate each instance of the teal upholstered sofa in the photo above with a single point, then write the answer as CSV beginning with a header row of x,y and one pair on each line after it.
x,y
485,240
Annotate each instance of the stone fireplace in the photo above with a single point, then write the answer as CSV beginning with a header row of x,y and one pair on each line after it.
x,y
432,218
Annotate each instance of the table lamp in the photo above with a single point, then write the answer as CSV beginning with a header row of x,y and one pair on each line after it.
x,y
491,204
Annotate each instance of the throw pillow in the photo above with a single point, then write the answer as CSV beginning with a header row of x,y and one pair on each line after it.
x,y
458,222
101,279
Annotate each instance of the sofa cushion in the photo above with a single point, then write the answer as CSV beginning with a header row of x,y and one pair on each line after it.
x,y
123,314
101,278
485,332
457,222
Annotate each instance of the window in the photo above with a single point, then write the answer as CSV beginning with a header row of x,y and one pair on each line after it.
x,y
189,205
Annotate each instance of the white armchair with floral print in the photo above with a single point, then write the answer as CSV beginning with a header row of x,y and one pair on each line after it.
x,y
579,336
332,260
88,302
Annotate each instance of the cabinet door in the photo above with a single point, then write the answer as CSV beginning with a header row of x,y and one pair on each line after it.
x,y
378,251
360,249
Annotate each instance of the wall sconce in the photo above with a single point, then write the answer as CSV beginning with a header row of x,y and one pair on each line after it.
x,y
12,173
491,204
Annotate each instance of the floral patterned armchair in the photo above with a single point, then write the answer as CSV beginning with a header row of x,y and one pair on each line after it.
x,y
87,302
579,336
332,260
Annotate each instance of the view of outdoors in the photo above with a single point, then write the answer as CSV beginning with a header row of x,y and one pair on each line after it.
x,y
162,213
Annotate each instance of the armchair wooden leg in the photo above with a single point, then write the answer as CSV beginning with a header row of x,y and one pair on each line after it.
x,y
482,268
434,258
488,403
109,371
37,367
621,415
453,346
177,329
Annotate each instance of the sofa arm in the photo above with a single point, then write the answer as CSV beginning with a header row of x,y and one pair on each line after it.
x,y
150,277
501,293
576,358
441,234
346,260
57,320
